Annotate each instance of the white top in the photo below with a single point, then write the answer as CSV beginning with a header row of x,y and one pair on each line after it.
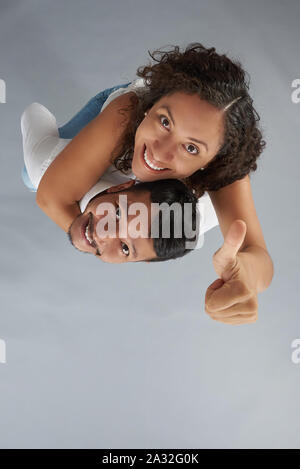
x,y
136,86
41,145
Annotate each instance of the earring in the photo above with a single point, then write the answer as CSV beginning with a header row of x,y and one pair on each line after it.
x,y
202,169
145,113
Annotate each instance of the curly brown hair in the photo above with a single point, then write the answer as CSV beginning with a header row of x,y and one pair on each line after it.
x,y
220,81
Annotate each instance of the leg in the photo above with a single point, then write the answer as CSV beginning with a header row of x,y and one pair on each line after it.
x,y
87,113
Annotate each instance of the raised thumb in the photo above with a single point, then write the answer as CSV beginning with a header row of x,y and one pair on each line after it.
x,y
225,257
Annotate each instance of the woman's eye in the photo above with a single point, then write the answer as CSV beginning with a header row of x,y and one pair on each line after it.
x,y
118,213
190,145
125,249
161,118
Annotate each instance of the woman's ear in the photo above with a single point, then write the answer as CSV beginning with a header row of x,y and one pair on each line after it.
x,y
121,187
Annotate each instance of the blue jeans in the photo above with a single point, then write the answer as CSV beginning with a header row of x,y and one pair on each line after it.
x,y
76,123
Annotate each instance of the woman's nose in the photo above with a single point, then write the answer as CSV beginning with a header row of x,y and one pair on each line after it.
x,y
162,152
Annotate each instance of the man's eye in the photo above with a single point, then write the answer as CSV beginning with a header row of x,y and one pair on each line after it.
x,y
118,213
125,249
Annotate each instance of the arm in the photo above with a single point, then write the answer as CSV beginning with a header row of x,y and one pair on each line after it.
x,y
81,163
233,202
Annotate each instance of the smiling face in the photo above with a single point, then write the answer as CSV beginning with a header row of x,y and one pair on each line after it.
x,y
117,249
181,134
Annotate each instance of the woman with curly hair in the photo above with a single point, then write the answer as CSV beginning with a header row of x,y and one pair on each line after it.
x,y
193,119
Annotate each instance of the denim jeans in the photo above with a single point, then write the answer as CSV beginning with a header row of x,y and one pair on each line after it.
x,y
76,123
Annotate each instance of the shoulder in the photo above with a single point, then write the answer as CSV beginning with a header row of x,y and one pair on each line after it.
x,y
129,98
117,114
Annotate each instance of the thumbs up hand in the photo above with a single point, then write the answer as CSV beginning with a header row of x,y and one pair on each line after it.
x,y
232,298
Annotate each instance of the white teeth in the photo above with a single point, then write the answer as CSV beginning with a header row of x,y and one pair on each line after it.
x,y
151,164
87,234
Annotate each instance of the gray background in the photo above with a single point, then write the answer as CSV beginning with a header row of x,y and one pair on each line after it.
x,y
109,356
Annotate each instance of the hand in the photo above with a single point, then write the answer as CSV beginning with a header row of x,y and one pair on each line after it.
x,y
232,298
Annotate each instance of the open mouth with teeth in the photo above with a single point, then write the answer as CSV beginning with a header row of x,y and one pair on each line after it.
x,y
150,165
86,231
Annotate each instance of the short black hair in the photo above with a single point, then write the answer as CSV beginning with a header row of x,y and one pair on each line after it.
x,y
171,191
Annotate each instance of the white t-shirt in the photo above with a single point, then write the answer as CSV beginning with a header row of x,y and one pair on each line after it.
x,y
41,145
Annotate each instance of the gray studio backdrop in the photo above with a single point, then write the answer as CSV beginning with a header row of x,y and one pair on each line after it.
x,y
101,355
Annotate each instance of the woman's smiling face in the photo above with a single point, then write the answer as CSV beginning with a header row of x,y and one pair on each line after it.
x,y
181,133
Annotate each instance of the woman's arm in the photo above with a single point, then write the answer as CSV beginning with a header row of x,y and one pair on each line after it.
x,y
82,163
234,202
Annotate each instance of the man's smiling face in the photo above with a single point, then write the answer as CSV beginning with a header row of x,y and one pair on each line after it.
x,y
118,248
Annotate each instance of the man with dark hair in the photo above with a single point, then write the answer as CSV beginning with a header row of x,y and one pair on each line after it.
x,y
155,201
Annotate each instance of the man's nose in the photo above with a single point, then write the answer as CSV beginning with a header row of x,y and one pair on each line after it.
x,y
105,223
100,238
105,245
